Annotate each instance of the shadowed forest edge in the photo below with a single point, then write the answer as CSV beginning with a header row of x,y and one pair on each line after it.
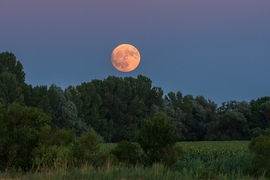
x,y
42,124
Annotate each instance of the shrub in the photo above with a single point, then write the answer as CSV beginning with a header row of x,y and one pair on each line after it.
x,y
260,147
86,147
63,137
54,151
128,152
20,133
171,155
53,157
103,158
157,138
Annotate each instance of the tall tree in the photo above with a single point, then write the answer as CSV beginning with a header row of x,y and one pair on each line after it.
x,y
204,115
10,91
36,97
93,110
9,63
12,78
74,95
258,118
232,122
115,106
64,110
174,103
265,109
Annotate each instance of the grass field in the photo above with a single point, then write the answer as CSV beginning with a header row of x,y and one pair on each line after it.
x,y
202,145
203,160
210,158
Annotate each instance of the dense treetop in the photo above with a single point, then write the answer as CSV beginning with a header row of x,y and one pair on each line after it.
x,y
115,107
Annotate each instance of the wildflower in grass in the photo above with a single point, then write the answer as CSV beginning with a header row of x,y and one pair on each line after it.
x,y
222,152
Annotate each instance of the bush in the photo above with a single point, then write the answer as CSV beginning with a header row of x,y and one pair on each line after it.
x,y
63,137
54,150
53,157
86,147
171,155
128,152
103,158
157,138
260,147
21,131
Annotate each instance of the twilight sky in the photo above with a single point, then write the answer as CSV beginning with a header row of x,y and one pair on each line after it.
x,y
218,49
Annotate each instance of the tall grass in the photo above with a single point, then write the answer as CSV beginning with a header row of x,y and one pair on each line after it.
x,y
203,160
109,172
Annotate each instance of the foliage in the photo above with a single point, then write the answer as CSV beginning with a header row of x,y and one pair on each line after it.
x,y
21,130
157,137
10,91
63,137
115,106
94,111
54,150
12,78
36,97
86,147
53,157
203,160
192,116
258,118
128,152
260,147
64,111
9,63
48,128
232,122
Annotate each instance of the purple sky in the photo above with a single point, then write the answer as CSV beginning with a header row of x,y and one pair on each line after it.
x,y
218,49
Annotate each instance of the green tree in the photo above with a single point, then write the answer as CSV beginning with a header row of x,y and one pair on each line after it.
x,y
265,109
204,115
258,118
74,95
227,106
157,137
94,111
9,63
12,78
232,122
36,97
174,100
260,148
192,116
115,106
21,132
64,110
10,91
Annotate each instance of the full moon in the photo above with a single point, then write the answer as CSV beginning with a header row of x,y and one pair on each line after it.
x,y
125,58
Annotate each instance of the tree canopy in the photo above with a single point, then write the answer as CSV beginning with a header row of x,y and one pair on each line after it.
x,y
115,107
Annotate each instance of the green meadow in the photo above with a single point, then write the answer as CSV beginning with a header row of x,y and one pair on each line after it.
x,y
203,160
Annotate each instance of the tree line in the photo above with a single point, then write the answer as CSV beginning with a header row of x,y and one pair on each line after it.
x,y
115,107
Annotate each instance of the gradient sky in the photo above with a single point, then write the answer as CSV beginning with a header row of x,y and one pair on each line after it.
x,y
218,49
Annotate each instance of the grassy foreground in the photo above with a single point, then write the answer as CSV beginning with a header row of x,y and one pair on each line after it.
x,y
157,172
203,160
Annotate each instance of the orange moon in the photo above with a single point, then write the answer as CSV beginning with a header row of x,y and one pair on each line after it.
x,y
125,58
